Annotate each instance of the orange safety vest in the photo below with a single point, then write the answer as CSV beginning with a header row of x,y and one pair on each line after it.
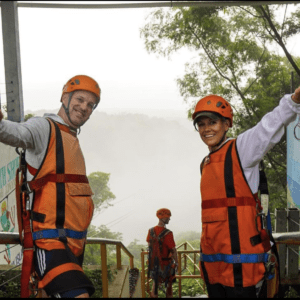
x,y
232,252
62,203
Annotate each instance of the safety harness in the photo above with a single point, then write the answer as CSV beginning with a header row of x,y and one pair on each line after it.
x,y
156,270
26,216
28,282
271,285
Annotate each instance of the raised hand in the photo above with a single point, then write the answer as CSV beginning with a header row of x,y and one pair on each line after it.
x,y
296,95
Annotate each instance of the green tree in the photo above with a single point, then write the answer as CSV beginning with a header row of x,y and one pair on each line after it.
x,y
102,193
28,116
135,248
92,251
233,61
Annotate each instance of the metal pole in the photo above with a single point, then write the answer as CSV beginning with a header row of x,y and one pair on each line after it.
x,y
281,226
12,61
293,250
139,4
292,82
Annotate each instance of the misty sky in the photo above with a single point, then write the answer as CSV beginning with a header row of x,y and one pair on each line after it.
x,y
153,156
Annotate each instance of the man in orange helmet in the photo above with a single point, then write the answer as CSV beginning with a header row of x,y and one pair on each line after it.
x,y
163,260
59,194
236,249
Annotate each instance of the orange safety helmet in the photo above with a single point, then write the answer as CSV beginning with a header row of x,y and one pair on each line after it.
x,y
82,82
163,213
213,104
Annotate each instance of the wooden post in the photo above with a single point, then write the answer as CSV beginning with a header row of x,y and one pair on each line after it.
x,y
195,263
131,262
119,260
281,226
179,273
185,248
293,250
143,275
104,271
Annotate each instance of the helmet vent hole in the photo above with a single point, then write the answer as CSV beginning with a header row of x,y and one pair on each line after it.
x,y
208,102
72,83
219,104
77,81
223,106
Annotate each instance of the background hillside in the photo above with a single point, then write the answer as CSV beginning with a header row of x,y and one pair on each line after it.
x,y
153,162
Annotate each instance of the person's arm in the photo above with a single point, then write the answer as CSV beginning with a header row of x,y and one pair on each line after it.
x,y
296,96
254,143
174,255
32,134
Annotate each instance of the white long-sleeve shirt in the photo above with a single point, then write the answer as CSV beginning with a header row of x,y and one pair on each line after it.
x,y
253,144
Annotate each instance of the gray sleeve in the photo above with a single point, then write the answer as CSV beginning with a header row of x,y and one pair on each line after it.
x,y
254,143
32,135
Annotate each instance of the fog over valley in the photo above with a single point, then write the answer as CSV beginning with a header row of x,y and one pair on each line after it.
x,y
153,162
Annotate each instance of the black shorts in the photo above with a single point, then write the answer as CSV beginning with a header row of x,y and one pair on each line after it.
x,y
70,283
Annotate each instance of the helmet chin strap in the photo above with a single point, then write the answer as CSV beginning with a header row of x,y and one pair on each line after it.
x,y
221,142
67,111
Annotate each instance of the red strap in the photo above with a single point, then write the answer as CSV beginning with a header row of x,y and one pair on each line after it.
x,y
226,202
19,204
39,183
31,169
27,265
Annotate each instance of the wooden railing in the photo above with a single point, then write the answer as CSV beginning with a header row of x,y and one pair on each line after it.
x,y
13,238
286,220
183,255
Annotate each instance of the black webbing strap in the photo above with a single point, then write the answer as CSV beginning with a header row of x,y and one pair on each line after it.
x,y
60,186
232,217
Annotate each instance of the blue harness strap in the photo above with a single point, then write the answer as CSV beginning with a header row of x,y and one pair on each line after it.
x,y
235,258
58,233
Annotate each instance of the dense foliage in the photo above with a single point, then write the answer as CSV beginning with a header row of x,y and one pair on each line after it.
x,y
233,59
12,289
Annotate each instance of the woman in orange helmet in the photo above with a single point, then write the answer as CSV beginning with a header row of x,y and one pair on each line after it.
x,y
234,249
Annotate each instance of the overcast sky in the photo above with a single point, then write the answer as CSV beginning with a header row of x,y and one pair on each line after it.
x,y
57,44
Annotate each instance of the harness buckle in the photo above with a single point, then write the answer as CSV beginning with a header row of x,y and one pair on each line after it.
x,y
26,188
270,266
264,221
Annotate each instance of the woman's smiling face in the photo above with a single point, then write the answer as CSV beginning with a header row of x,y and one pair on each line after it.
x,y
212,132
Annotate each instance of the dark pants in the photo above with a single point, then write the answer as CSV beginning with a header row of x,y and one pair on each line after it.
x,y
220,291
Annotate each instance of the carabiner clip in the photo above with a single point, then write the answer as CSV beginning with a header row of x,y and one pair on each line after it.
x,y
263,221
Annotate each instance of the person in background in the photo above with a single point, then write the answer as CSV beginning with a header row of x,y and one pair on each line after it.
x,y
163,261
